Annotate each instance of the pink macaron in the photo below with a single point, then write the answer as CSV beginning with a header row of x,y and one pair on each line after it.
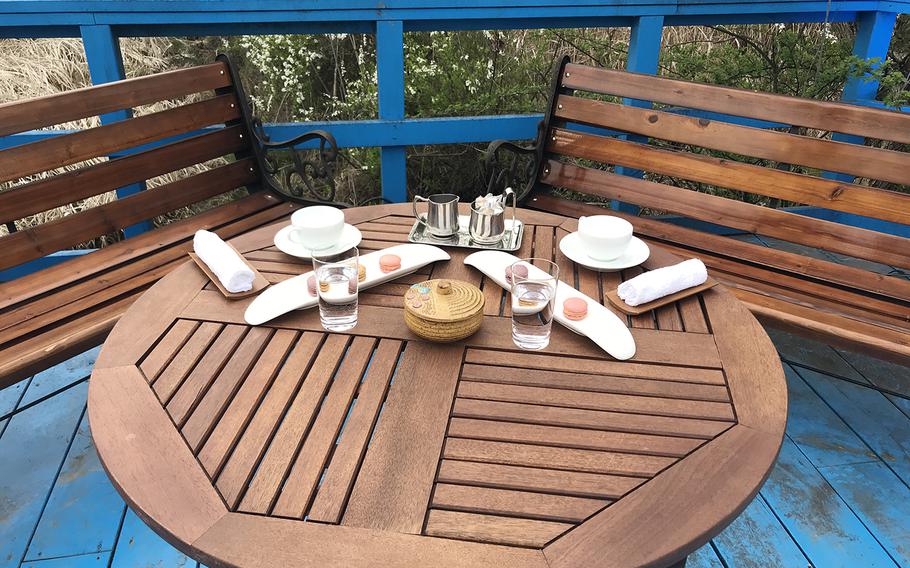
x,y
575,309
311,285
519,270
389,263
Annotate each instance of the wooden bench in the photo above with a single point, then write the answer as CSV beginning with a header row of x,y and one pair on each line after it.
x,y
48,315
856,305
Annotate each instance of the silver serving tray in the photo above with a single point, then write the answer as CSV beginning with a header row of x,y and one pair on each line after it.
x,y
511,240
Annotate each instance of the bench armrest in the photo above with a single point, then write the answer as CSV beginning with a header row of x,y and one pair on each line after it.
x,y
507,164
310,174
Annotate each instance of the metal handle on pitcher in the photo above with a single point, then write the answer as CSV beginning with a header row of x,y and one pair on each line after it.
x,y
417,215
509,192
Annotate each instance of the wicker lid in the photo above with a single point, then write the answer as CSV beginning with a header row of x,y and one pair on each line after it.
x,y
443,300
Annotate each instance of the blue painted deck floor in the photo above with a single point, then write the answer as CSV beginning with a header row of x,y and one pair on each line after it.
x,y
839,495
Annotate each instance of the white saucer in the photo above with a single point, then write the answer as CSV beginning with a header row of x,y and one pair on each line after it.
x,y
636,253
350,237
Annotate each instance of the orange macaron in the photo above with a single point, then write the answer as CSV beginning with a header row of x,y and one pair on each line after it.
x,y
575,309
389,262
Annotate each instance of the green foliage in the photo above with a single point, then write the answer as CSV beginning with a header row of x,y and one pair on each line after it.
x,y
333,77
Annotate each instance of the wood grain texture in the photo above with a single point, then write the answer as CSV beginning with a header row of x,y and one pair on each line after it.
x,y
338,480
197,382
162,354
393,488
811,113
792,227
263,489
593,382
68,187
582,418
539,506
240,466
381,448
569,459
205,416
71,230
827,155
238,414
27,159
19,116
146,458
720,467
488,528
571,437
306,473
597,401
579,484
262,542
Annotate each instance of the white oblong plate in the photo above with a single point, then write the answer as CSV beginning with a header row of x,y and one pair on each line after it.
x,y
636,253
292,294
601,325
350,237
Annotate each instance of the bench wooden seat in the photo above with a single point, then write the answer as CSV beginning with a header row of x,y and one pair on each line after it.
x,y
48,315
847,305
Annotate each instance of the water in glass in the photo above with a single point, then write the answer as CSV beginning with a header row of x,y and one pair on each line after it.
x,y
532,314
337,291
534,283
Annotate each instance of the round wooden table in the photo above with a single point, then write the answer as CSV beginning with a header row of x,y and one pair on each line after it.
x,y
284,445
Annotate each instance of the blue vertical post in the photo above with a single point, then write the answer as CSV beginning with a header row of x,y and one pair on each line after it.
x,y
390,75
873,38
644,53
105,64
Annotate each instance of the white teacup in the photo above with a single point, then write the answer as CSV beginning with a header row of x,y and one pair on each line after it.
x,y
604,237
317,227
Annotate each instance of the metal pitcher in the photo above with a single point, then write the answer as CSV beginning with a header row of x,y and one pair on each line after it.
x,y
441,219
488,227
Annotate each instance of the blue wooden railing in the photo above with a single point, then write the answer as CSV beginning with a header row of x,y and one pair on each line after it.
x,y
101,22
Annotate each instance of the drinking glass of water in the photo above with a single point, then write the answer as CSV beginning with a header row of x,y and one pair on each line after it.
x,y
534,282
336,288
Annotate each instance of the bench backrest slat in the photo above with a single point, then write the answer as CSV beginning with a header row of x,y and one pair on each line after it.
x,y
44,194
21,116
28,159
810,113
851,241
782,147
74,166
44,239
731,174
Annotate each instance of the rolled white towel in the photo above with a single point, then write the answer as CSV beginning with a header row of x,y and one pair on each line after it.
x,y
663,282
221,259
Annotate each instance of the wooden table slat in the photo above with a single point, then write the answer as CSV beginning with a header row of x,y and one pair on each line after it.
x,y
244,460
493,529
524,504
577,483
225,434
597,401
393,488
205,416
336,485
306,472
579,438
185,360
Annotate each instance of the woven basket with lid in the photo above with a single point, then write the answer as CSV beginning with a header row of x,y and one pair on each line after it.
x,y
443,310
